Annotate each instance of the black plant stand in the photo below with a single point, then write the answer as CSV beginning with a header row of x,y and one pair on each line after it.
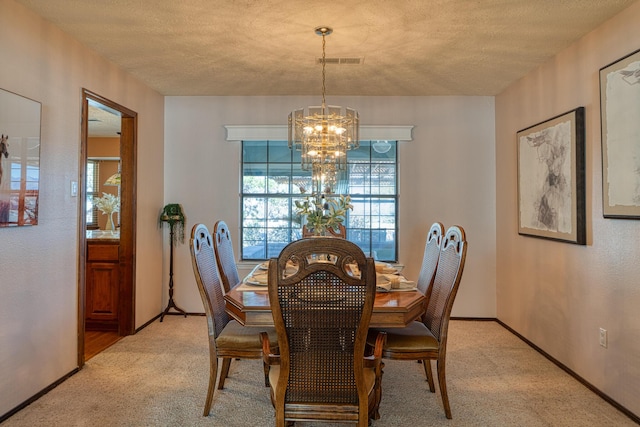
x,y
171,303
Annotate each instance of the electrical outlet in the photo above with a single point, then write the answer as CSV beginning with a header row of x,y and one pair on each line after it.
x,y
603,337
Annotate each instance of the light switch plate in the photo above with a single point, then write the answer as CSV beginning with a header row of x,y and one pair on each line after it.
x,y
74,188
603,337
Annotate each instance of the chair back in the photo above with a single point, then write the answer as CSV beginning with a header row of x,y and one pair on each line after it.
x,y
445,284
206,272
322,291
430,258
340,232
225,258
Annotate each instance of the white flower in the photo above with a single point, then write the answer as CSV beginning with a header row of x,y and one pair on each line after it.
x,y
108,203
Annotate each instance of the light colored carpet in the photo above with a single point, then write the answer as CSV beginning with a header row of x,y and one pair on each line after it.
x,y
158,377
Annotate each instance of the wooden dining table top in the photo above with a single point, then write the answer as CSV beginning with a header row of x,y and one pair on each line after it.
x,y
390,309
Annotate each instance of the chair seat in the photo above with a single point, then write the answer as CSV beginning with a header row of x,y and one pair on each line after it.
x,y
237,337
415,337
369,378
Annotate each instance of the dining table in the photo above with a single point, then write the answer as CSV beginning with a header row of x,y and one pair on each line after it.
x,y
392,308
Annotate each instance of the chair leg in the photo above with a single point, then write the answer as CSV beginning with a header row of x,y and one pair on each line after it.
x,y
374,404
265,367
226,362
443,388
429,373
213,375
281,422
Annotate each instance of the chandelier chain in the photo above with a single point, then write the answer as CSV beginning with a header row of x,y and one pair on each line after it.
x,y
323,69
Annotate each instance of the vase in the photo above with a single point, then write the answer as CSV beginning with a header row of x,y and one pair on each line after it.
x,y
320,231
109,225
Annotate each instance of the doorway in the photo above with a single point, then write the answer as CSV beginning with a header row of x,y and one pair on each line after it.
x,y
106,261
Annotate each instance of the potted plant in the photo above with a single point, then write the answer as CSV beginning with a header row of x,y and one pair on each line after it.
x,y
324,211
173,215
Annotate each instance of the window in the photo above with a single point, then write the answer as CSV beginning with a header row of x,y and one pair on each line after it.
x,y
93,176
24,178
272,178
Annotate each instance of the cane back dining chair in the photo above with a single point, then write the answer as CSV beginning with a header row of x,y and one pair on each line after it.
x,y
426,339
321,313
223,248
227,338
430,258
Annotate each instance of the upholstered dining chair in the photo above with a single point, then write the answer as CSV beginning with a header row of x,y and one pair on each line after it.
x,y
223,248
340,232
426,339
321,313
227,338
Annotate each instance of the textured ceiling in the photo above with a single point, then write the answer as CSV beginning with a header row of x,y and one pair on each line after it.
x,y
103,121
268,47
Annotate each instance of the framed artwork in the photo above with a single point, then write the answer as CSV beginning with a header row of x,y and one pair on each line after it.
x,y
19,159
620,124
551,179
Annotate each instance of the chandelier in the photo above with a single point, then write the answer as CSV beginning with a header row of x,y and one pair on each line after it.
x,y
324,133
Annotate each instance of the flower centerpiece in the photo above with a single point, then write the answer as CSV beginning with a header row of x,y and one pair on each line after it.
x,y
108,204
323,211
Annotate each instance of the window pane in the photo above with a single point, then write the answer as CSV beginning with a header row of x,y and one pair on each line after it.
x,y
359,178
91,176
254,209
361,154
279,178
254,178
254,151
92,185
279,213
279,152
253,242
383,178
301,180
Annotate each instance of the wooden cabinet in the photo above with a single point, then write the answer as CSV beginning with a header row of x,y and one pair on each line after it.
x,y
102,285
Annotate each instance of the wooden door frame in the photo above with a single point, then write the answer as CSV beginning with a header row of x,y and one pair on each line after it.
x,y
127,264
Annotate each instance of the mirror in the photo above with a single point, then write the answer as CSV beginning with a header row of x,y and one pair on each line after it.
x,y
19,159
103,171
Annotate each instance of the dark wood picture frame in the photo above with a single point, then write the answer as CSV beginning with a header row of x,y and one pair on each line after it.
x,y
620,127
551,178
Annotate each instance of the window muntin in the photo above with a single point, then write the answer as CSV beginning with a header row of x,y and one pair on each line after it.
x,y
272,179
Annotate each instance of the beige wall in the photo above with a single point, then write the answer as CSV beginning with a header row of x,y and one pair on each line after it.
x,y
446,174
103,147
558,295
38,273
